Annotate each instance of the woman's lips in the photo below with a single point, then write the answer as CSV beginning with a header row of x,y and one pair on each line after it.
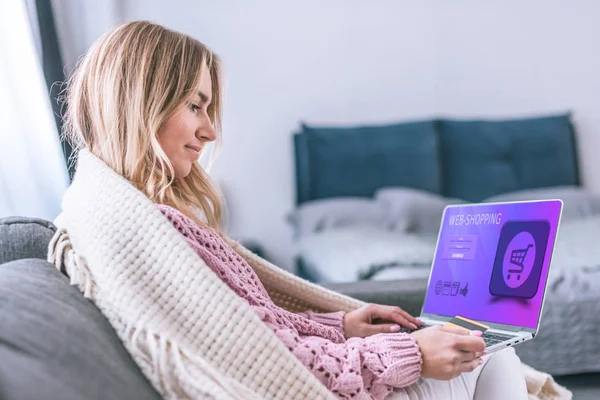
x,y
195,150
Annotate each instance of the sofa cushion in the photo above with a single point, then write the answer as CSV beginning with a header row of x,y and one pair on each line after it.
x,y
22,237
55,344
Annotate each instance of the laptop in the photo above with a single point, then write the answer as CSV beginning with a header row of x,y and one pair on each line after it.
x,y
490,268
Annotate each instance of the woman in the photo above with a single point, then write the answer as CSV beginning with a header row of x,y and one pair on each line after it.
x,y
147,101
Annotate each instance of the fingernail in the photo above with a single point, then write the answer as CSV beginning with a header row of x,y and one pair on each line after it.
x,y
394,328
475,333
413,326
480,361
485,351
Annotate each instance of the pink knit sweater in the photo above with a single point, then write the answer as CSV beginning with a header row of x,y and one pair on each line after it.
x,y
360,368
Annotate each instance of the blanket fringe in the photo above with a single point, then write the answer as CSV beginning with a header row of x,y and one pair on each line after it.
x,y
165,361
168,364
541,386
69,262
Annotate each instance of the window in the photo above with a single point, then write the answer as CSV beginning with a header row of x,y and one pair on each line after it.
x,y
33,174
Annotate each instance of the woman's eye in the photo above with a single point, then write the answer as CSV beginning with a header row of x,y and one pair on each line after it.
x,y
194,107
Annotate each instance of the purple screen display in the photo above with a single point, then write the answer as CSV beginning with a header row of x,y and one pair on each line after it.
x,y
492,262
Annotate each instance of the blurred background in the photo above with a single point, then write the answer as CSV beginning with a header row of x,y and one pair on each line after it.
x,y
336,63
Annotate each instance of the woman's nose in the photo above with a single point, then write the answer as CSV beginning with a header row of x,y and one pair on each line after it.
x,y
208,135
206,132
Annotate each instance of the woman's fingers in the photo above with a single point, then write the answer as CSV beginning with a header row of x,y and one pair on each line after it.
x,y
456,331
469,366
409,317
404,322
400,321
384,328
469,343
403,314
395,314
466,356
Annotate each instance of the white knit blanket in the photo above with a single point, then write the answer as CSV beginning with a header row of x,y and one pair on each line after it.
x,y
191,335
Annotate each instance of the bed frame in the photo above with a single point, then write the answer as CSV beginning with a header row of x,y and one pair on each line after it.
x,y
463,159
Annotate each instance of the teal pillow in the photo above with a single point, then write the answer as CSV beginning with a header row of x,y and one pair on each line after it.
x,y
486,158
356,161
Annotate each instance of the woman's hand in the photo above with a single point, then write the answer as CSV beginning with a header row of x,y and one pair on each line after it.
x,y
448,352
360,322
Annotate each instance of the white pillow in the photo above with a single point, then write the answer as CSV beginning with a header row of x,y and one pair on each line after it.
x,y
345,254
320,215
577,201
413,210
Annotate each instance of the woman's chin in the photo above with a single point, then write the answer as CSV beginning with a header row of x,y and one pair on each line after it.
x,y
182,172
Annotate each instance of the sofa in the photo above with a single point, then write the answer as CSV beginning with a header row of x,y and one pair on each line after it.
x,y
55,344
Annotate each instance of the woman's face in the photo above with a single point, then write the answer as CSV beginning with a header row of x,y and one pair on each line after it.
x,y
183,136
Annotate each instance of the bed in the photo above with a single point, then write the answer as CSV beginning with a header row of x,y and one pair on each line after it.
x,y
369,198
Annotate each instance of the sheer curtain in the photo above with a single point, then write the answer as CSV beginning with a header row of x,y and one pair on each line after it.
x,y
33,174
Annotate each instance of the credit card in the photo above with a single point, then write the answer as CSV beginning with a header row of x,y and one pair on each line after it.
x,y
462,322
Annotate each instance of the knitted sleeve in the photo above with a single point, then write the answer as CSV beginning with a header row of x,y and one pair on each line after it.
x,y
333,320
368,367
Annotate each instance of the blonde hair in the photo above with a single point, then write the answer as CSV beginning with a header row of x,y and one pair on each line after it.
x,y
128,84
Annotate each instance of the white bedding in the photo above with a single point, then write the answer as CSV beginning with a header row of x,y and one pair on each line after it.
x,y
345,254
575,270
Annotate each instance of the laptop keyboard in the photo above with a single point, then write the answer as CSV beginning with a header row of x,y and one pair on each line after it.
x,y
492,338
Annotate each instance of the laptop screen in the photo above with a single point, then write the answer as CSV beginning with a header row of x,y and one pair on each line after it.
x,y
491,262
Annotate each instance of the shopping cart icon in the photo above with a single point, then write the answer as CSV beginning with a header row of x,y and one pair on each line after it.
x,y
517,257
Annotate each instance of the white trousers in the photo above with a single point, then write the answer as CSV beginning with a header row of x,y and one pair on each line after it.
x,y
500,377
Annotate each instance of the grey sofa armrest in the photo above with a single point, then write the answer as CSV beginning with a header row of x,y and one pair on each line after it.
x,y
24,237
407,294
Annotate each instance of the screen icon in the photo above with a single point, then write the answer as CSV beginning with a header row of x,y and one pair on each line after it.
x,y
447,287
519,258
438,287
455,287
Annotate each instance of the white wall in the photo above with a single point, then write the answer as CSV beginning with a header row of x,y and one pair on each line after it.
x,y
317,61
350,61
505,58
